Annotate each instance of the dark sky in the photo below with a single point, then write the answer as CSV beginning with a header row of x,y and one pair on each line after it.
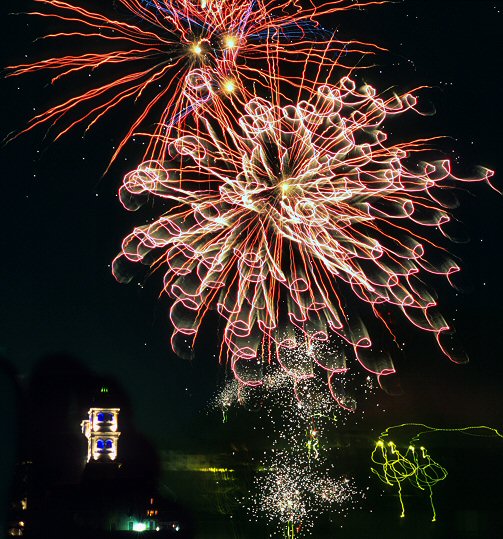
x,y
62,225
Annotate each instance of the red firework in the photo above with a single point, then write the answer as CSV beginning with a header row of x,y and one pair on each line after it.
x,y
145,50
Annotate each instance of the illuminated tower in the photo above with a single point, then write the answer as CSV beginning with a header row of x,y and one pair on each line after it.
x,y
102,433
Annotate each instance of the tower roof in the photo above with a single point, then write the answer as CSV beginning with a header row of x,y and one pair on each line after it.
x,y
104,398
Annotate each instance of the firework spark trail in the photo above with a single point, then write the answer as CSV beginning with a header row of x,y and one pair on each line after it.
x,y
295,482
415,466
147,48
275,219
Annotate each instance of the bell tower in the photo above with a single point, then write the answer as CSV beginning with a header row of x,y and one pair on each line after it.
x,y
102,432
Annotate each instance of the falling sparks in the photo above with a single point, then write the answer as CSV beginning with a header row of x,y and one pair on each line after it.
x,y
296,481
291,492
304,400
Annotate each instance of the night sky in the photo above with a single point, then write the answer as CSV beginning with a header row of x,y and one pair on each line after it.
x,y
63,224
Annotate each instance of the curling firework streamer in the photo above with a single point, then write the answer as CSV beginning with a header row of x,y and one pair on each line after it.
x,y
276,221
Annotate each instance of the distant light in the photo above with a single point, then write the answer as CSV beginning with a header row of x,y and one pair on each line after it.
x,y
104,389
139,526
215,470
196,49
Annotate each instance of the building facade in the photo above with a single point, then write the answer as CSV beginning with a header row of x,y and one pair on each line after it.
x,y
102,432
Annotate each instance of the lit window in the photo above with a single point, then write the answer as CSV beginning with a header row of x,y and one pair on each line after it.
x,y
101,416
100,444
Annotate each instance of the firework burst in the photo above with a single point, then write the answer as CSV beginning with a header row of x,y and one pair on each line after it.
x,y
141,52
276,219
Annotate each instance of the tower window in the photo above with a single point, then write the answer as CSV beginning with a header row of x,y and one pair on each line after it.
x,y
100,444
109,444
105,416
